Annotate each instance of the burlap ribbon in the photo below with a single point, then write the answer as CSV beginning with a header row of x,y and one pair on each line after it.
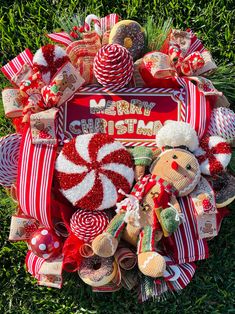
x,y
38,102
183,55
206,220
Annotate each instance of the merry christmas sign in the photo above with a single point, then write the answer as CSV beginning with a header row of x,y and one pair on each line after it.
x,y
131,115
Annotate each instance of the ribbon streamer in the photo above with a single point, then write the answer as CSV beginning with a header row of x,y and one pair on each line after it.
x,y
48,274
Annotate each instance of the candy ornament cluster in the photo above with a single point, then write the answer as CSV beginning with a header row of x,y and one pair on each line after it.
x,y
120,164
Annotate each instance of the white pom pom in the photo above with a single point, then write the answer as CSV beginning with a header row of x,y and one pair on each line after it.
x,y
175,133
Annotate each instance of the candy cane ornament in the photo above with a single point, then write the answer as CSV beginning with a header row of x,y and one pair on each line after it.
x,y
93,18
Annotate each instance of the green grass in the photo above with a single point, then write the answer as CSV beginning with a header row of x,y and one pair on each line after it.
x,y
24,24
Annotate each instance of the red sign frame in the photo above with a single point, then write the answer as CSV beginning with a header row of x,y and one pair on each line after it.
x,y
132,115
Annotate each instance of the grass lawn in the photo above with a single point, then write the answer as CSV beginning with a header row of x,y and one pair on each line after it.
x,y
23,24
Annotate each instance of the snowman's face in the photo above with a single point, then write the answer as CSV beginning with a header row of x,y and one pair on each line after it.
x,y
178,167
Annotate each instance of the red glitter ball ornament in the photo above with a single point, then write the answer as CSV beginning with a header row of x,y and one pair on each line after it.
x,y
113,66
45,243
91,169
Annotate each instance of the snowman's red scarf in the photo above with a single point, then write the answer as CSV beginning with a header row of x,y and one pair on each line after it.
x,y
144,185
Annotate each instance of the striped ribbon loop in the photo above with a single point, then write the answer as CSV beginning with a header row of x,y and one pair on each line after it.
x,y
61,38
156,288
108,22
35,172
11,69
184,245
197,112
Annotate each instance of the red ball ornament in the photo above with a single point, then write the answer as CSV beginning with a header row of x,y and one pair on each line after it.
x,y
45,243
113,66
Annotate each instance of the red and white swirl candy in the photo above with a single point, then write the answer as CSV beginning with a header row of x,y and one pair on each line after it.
x,y
48,60
113,66
86,224
90,170
214,155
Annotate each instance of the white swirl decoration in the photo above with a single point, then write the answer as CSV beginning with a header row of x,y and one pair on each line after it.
x,y
9,155
91,169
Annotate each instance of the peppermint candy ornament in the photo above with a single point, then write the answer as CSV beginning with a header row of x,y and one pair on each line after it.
x,y
113,66
86,225
91,169
214,155
222,123
48,60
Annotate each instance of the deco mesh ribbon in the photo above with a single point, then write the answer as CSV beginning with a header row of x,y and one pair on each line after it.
x,y
86,225
113,66
9,155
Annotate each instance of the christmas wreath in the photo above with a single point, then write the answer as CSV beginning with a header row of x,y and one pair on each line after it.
x,y
120,163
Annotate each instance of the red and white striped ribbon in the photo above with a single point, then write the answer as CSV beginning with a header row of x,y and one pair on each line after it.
x,y
198,110
196,44
15,65
183,244
61,38
178,281
107,22
178,276
35,172
33,264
